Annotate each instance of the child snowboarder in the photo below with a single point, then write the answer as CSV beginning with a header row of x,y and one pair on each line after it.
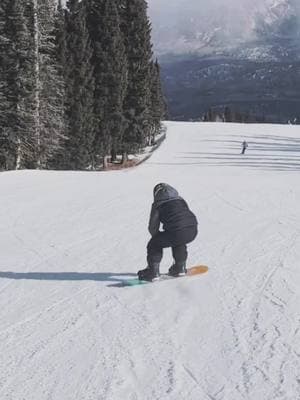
x,y
179,228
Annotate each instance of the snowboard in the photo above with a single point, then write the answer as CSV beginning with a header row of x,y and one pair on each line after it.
x,y
193,271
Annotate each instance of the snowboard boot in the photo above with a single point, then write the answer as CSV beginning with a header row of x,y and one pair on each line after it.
x,y
178,269
151,273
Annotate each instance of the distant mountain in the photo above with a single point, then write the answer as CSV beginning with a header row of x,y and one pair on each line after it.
x,y
267,91
248,61
220,25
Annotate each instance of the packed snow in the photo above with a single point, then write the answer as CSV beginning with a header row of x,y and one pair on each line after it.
x,y
69,330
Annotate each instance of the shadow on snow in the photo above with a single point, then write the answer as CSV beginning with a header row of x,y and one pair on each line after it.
x,y
68,276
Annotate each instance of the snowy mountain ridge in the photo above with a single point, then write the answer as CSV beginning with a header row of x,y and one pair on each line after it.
x,y
222,26
244,55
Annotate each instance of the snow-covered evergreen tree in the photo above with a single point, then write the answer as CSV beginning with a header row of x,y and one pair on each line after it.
x,y
48,85
33,90
75,85
80,87
17,74
6,140
137,31
158,108
110,71
61,37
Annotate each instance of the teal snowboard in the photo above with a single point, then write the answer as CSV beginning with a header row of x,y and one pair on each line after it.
x,y
197,270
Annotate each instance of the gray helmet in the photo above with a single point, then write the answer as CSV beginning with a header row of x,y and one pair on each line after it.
x,y
163,191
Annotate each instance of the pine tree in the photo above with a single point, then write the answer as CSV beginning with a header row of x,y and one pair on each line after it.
x,y
80,89
110,72
48,85
61,37
17,74
58,161
137,31
32,87
158,108
5,139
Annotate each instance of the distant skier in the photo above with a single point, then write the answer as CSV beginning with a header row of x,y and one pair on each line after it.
x,y
179,228
244,146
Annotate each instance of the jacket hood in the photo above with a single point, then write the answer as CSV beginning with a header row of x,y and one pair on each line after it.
x,y
164,192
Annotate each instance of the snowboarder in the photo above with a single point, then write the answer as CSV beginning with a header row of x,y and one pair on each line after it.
x,y
179,228
244,146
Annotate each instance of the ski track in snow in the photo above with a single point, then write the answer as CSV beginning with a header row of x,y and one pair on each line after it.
x,y
69,331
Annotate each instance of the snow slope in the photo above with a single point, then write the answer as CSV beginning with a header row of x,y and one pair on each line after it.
x,y
69,331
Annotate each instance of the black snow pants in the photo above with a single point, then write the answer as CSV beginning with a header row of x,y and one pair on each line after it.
x,y
177,240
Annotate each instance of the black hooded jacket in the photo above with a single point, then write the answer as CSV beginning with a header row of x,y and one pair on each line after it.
x,y
169,209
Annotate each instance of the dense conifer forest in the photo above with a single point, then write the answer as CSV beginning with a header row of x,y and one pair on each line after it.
x,y
78,84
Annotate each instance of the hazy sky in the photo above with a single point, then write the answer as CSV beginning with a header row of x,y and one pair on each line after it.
x,y
200,6
170,11
234,13
166,9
